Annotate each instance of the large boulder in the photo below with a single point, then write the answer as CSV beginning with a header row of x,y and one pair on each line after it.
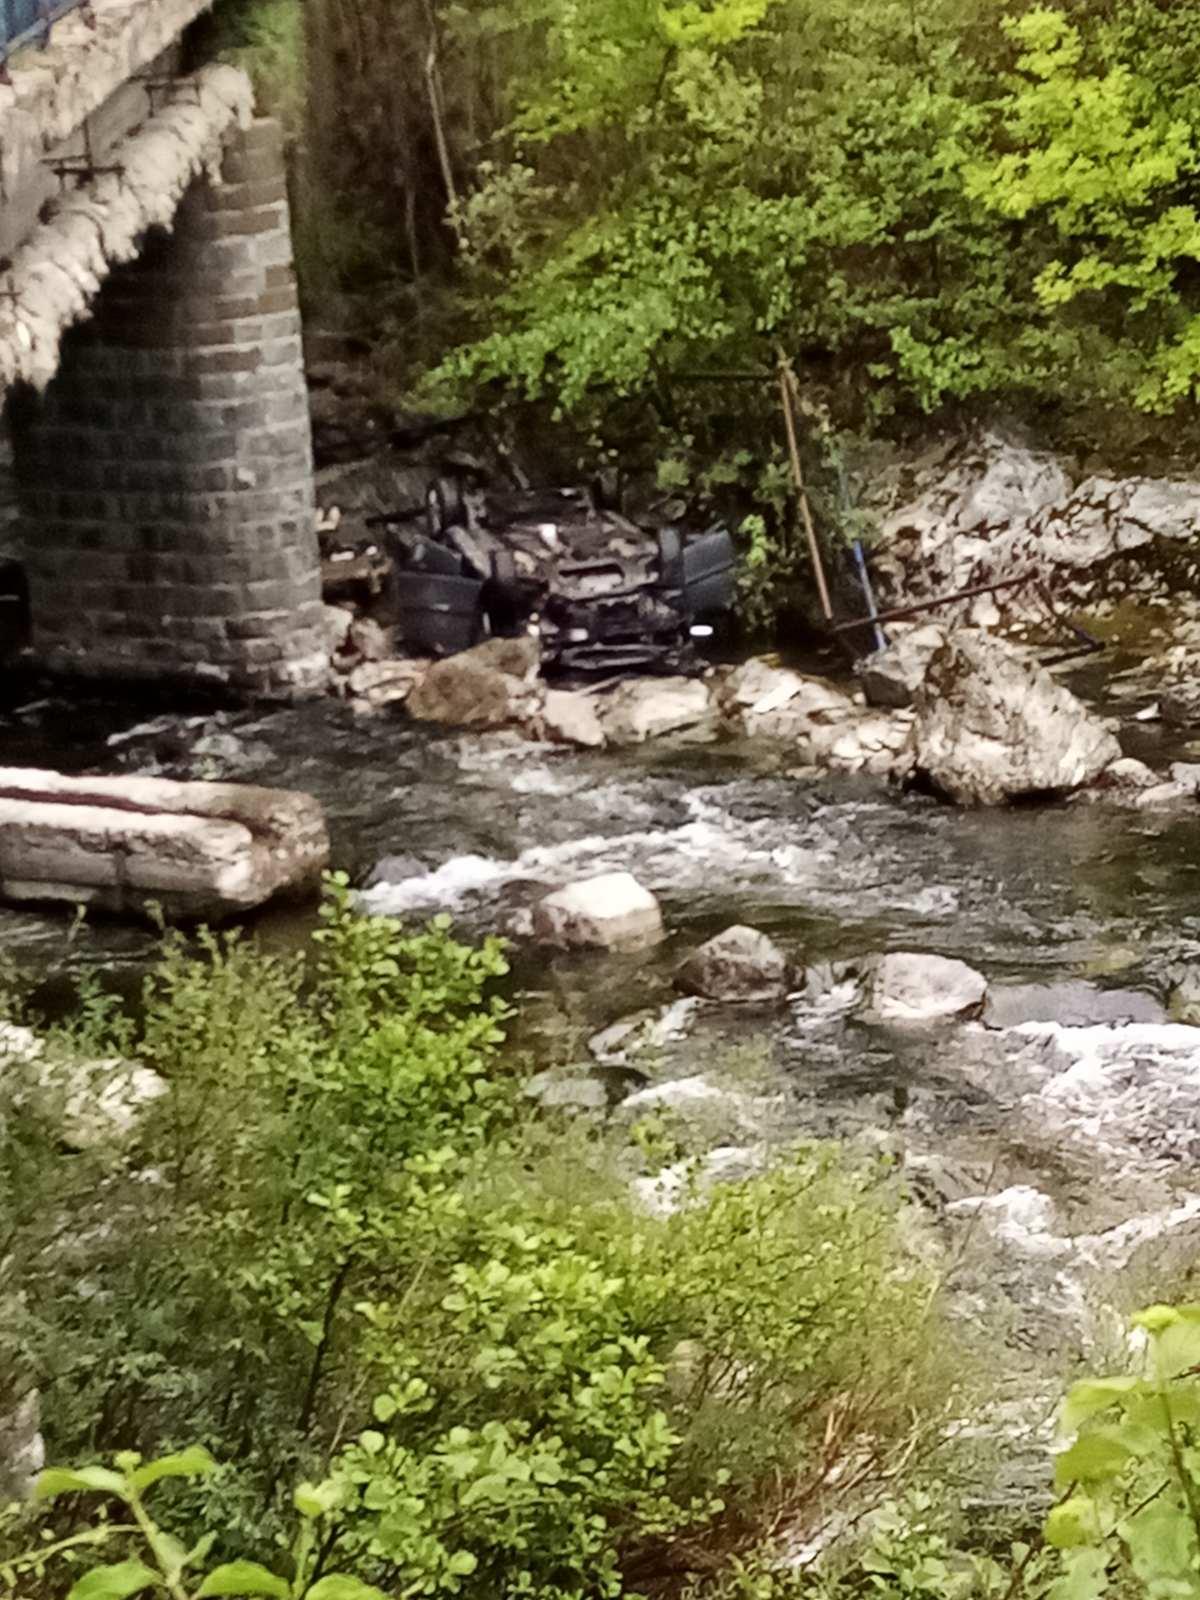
x,y
490,686
646,708
992,726
197,850
740,964
911,987
611,912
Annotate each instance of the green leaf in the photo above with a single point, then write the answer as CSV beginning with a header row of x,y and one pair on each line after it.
x,y
61,1480
1090,1395
1085,1576
461,1564
1097,1455
114,1582
315,1499
1073,1524
243,1577
384,1408
194,1462
340,1586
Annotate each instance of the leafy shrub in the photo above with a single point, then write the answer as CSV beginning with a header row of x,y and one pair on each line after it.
x,y
338,1250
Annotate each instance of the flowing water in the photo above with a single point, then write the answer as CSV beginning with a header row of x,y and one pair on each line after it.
x,y
1053,1144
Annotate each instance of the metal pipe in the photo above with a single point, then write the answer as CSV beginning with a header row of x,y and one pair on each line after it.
x,y
897,613
864,577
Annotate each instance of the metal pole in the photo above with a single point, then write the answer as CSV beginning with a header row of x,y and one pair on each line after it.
x,y
864,577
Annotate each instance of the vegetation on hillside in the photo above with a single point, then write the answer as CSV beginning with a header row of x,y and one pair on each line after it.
x,y
626,214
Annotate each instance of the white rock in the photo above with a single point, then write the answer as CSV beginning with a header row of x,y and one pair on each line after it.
x,y
911,987
571,718
384,683
611,911
195,849
647,708
992,726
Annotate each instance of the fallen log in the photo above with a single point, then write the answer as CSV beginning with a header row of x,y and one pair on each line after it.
x,y
197,850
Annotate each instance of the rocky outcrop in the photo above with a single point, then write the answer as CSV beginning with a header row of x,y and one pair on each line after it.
x,y
490,686
986,509
739,965
22,1449
610,912
198,850
992,726
911,987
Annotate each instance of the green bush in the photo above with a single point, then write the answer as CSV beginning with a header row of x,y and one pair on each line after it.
x,y
338,1250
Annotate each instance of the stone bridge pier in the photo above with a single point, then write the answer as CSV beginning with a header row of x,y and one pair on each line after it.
x,y
159,499
164,477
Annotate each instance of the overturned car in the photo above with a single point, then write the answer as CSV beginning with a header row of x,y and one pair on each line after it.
x,y
603,594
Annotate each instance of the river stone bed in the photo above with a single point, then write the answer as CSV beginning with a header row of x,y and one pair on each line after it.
x,y
1051,1143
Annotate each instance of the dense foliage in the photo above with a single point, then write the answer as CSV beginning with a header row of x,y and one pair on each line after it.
x,y
921,205
337,1250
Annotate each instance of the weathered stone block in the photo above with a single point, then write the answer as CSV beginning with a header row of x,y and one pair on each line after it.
x,y
197,849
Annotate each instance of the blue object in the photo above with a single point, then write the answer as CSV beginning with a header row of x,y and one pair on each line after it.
x,y
864,578
22,21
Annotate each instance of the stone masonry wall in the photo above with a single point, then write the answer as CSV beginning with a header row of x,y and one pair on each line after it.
x,y
165,477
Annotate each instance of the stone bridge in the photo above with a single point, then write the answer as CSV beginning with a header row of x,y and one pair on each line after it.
x,y
156,439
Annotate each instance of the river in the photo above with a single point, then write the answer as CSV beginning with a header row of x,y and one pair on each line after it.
x,y
1052,1145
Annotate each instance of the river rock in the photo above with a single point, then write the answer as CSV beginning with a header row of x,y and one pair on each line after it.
x,y
739,965
647,708
992,726
488,686
1073,1002
874,742
369,640
891,677
571,718
764,701
385,683
911,987
198,850
335,625
612,912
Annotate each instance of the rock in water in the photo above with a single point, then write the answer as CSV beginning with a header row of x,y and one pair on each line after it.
x,y
571,718
992,726
199,850
740,964
646,708
908,987
489,686
612,912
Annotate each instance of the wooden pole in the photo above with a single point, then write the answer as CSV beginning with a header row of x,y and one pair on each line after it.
x,y
787,390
